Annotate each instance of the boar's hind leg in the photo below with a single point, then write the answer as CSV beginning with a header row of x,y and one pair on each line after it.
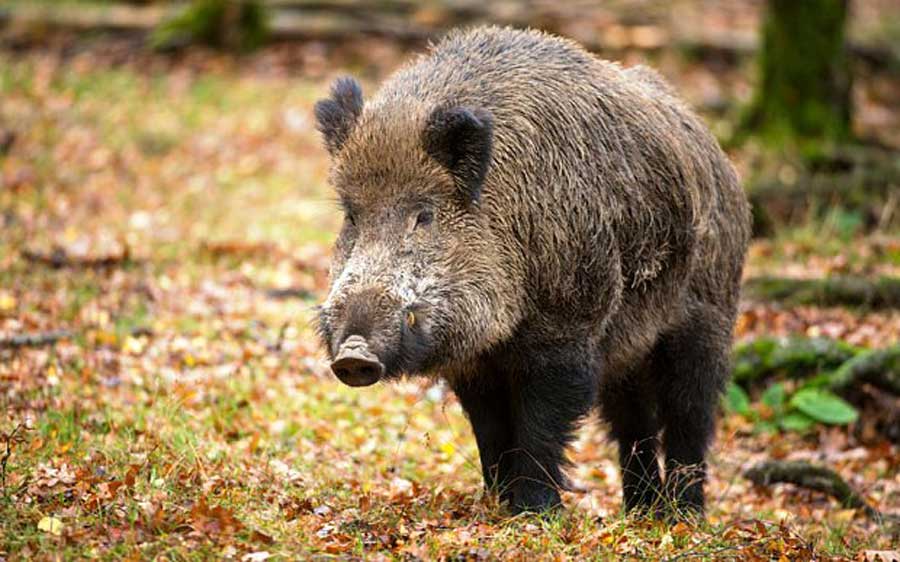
x,y
485,399
630,409
691,365
552,389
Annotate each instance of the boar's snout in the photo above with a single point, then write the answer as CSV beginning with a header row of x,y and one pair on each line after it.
x,y
355,365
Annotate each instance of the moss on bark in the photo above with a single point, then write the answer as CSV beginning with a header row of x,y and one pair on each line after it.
x,y
238,25
874,293
803,94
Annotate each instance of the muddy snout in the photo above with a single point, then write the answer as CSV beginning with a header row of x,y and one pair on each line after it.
x,y
355,365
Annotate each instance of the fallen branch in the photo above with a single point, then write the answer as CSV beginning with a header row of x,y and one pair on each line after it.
x,y
59,258
39,339
757,360
840,365
878,293
813,477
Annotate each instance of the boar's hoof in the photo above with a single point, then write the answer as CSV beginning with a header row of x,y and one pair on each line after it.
x,y
355,365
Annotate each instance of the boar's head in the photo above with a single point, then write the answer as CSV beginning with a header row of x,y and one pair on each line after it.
x,y
413,275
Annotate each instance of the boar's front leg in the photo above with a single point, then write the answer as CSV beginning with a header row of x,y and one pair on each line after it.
x,y
485,399
553,387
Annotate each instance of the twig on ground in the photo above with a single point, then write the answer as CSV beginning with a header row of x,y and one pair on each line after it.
x,y
279,344
290,293
59,258
38,339
9,439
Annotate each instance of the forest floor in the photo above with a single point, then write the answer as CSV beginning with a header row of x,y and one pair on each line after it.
x,y
171,216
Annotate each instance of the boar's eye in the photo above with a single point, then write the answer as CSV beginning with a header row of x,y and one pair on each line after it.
x,y
424,218
349,217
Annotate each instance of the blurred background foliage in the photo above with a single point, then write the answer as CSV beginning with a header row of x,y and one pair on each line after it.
x,y
809,152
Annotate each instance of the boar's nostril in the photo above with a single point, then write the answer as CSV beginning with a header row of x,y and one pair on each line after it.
x,y
357,372
355,365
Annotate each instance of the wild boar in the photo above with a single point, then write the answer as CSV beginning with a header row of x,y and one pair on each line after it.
x,y
548,232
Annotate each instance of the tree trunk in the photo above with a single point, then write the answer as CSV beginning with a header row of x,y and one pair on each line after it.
x,y
803,95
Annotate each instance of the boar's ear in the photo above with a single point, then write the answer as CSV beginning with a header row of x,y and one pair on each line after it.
x,y
459,138
336,116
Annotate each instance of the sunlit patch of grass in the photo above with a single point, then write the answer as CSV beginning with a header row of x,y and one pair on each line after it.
x,y
180,127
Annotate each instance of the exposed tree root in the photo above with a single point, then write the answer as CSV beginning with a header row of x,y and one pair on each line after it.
x,y
813,477
878,367
797,358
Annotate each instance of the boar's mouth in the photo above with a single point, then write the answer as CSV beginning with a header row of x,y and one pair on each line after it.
x,y
355,364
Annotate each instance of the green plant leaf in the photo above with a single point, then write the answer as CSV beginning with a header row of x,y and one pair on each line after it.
x,y
796,421
824,406
765,426
774,397
736,400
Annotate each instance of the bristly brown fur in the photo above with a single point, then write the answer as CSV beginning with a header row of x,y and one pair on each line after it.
x,y
597,260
